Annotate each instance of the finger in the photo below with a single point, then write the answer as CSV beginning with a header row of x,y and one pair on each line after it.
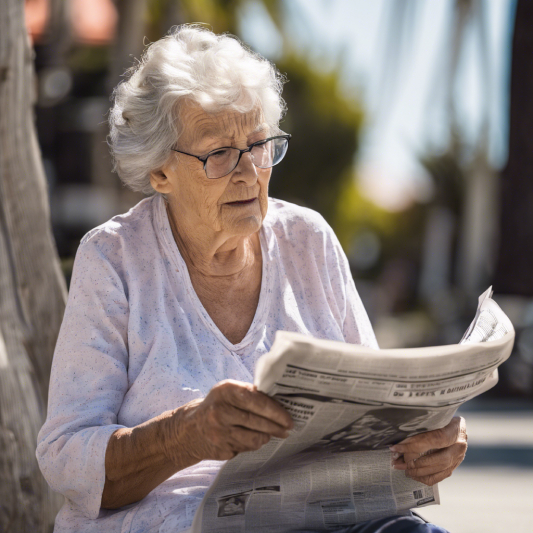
x,y
431,464
408,460
455,453
246,397
410,457
237,417
438,460
399,464
245,440
439,438
434,478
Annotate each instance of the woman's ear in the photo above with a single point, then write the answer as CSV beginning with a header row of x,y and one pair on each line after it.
x,y
160,182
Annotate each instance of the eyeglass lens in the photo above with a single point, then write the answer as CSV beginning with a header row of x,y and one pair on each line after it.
x,y
265,155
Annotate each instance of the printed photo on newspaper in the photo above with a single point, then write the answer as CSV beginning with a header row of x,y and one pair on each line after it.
x,y
349,403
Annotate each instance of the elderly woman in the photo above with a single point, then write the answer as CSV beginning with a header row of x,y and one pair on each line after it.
x,y
172,303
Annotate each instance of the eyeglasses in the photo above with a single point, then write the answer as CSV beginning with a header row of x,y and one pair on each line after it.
x,y
265,154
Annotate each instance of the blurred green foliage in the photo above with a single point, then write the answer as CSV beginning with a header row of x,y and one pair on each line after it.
x,y
221,15
90,59
325,128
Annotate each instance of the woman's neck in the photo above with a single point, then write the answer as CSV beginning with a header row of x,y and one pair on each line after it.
x,y
215,254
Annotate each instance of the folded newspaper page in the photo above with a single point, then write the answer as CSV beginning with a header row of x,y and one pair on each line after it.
x,y
350,403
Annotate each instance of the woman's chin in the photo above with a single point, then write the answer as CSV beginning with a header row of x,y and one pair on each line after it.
x,y
245,225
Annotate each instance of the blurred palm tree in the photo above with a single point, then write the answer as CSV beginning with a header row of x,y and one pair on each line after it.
x,y
461,219
515,257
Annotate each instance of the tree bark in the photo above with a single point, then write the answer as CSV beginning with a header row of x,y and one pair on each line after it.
x,y
32,288
515,257
129,41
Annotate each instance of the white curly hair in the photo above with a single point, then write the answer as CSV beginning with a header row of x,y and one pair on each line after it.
x,y
191,63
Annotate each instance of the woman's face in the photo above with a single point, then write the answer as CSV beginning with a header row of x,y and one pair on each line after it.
x,y
210,204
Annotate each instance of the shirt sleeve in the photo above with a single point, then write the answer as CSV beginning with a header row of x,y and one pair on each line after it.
x,y
88,379
356,326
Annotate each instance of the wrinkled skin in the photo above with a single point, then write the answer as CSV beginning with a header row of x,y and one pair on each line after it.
x,y
432,456
218,239
233,418
210,228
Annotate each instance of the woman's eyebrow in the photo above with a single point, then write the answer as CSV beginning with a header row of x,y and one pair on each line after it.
x,y
213,138
260,128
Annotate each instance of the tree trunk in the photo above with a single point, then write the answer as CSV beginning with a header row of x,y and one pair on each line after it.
x,y
32,289
129,41
513,273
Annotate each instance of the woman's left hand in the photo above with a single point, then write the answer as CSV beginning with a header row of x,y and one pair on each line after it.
x,y
432,456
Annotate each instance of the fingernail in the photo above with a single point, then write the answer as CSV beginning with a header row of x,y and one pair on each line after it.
x,y
393,448
396,456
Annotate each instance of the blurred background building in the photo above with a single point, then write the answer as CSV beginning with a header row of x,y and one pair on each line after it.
x,y
412,132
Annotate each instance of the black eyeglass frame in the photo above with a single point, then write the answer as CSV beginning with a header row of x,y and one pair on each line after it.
x,y
203,158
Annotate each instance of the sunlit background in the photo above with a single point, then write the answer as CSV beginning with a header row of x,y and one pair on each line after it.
x,y
408,136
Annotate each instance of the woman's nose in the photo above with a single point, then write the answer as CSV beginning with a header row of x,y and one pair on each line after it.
x,y
246,170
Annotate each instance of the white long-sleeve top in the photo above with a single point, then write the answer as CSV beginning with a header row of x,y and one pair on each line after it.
x,y
136,341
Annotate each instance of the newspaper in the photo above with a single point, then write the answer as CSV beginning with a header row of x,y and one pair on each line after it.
x,y
350,403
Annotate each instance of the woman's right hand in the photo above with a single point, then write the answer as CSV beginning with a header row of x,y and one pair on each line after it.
x,y
233,418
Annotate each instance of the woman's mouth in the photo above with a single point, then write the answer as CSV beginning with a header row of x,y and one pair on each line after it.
x,y
242,202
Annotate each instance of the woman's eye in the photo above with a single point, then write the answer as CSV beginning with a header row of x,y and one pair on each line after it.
x,y
219,153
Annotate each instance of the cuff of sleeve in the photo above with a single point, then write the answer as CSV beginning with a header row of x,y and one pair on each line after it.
x,y
76,467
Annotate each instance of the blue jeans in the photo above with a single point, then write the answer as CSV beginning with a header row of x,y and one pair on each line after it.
x,y
394,524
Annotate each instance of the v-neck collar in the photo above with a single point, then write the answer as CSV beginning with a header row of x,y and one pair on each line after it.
x,y
169,243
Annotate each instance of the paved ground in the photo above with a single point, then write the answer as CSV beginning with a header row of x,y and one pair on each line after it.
x,y
492,491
